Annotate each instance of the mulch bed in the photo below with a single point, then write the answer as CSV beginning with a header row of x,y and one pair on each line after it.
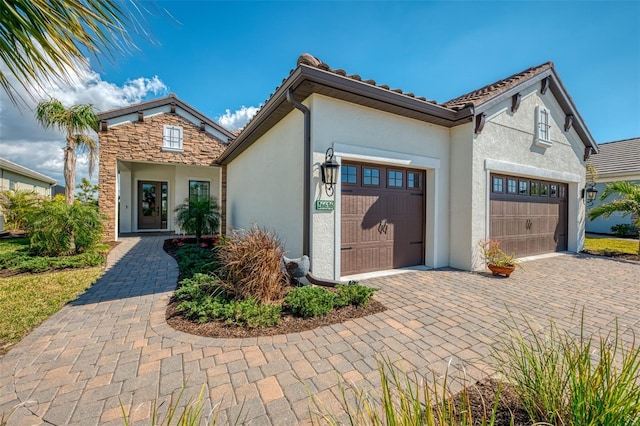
x,y
482,397
614,254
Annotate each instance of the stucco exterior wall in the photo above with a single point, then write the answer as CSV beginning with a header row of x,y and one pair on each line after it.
x,y
11,180
363,134
265,184
506,145
460,178
141,142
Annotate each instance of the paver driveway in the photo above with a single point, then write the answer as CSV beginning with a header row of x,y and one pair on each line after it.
x,y
112,346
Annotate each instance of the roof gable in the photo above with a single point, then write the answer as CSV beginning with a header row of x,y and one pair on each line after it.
x,y
175,106
314,76
618,158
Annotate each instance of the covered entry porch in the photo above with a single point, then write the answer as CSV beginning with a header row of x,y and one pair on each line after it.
x,y
148,193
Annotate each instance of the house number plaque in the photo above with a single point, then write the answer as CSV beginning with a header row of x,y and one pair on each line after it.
x,y
328,205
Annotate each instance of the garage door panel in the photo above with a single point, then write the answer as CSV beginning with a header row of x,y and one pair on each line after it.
x,y
528,223
383,225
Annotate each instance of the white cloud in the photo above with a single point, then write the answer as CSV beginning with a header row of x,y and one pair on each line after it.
x,y
237,119
24,141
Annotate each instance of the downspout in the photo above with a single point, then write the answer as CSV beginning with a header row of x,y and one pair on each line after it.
x,y
306,220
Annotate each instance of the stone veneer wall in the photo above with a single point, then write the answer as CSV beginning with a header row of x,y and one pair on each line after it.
x,y
142,141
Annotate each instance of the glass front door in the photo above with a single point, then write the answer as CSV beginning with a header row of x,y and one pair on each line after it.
x,y
152,205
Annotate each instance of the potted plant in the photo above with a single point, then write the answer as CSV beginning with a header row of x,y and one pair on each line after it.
x,y
499,262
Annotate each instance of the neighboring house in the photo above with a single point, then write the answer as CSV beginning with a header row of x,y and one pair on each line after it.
x,y
420,183
153,155
15,177
616,161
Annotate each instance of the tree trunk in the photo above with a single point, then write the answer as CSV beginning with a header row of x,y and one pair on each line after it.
x,y
69,171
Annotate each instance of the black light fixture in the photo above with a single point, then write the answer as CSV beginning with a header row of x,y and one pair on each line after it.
x,y
589,193
329,171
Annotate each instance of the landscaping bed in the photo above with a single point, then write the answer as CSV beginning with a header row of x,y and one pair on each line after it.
x,y
188,252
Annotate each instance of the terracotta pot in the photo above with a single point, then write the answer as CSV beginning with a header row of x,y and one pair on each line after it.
x,y
501,270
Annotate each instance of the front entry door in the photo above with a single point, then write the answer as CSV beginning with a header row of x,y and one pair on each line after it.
x,y
152,205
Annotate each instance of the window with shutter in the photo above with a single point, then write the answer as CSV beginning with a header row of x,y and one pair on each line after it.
x,y
543,127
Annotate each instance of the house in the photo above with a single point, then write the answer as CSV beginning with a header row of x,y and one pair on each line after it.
x,y
153,155
616,161
420,182
14,177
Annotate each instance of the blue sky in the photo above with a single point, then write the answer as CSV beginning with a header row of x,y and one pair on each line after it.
x,y
220,56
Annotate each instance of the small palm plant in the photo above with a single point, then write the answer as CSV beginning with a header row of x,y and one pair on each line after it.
x,y
627,203
198,216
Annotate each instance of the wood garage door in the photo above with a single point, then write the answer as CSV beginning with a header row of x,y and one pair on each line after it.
x,y
529,216
382,214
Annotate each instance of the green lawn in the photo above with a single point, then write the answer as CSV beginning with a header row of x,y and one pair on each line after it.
x,y
27,300
629,246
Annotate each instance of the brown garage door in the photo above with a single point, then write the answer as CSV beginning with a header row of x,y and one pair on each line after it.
x,y
382,218
529,216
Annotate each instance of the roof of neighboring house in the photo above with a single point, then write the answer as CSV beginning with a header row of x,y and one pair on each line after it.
x,y
314,76
156,103
618,158
21,170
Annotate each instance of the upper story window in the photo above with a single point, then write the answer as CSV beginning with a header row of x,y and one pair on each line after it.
x,y
543,127
172,138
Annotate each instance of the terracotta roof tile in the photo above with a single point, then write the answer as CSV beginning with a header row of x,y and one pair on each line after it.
x,y
618,158
489,91
312,61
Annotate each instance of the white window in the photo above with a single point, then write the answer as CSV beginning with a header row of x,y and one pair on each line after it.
x,y
172,138
543,127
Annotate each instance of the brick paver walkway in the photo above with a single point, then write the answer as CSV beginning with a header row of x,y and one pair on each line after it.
x,y
112,346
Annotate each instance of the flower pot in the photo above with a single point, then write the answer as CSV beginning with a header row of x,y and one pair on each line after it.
x,y
501,270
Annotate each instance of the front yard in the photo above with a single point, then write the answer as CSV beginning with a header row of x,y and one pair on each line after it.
x,y
612,247
34,287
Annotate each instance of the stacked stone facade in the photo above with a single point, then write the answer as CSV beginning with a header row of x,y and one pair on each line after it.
x,y
141,141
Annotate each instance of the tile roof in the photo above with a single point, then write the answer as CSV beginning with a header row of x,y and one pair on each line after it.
x,y
312,61
618,158
490,91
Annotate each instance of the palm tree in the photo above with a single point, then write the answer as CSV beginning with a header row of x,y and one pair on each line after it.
x,y
628,203
75,122
44,39
198,216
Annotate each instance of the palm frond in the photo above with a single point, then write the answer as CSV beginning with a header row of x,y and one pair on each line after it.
x,y
42,40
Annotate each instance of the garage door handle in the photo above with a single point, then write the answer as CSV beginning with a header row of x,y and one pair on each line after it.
x,y
529,224
345,248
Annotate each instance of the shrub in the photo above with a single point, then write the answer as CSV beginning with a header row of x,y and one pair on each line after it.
x,y
252,265
562,379
198,216
17,207
58,228
624,230
16,257
203,300
193,259
354,294
310,301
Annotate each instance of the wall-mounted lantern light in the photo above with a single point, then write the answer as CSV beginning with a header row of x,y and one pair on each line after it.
x,y
589,193
329,171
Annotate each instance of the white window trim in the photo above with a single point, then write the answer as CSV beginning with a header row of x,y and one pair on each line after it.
x,y
543,127
166,144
